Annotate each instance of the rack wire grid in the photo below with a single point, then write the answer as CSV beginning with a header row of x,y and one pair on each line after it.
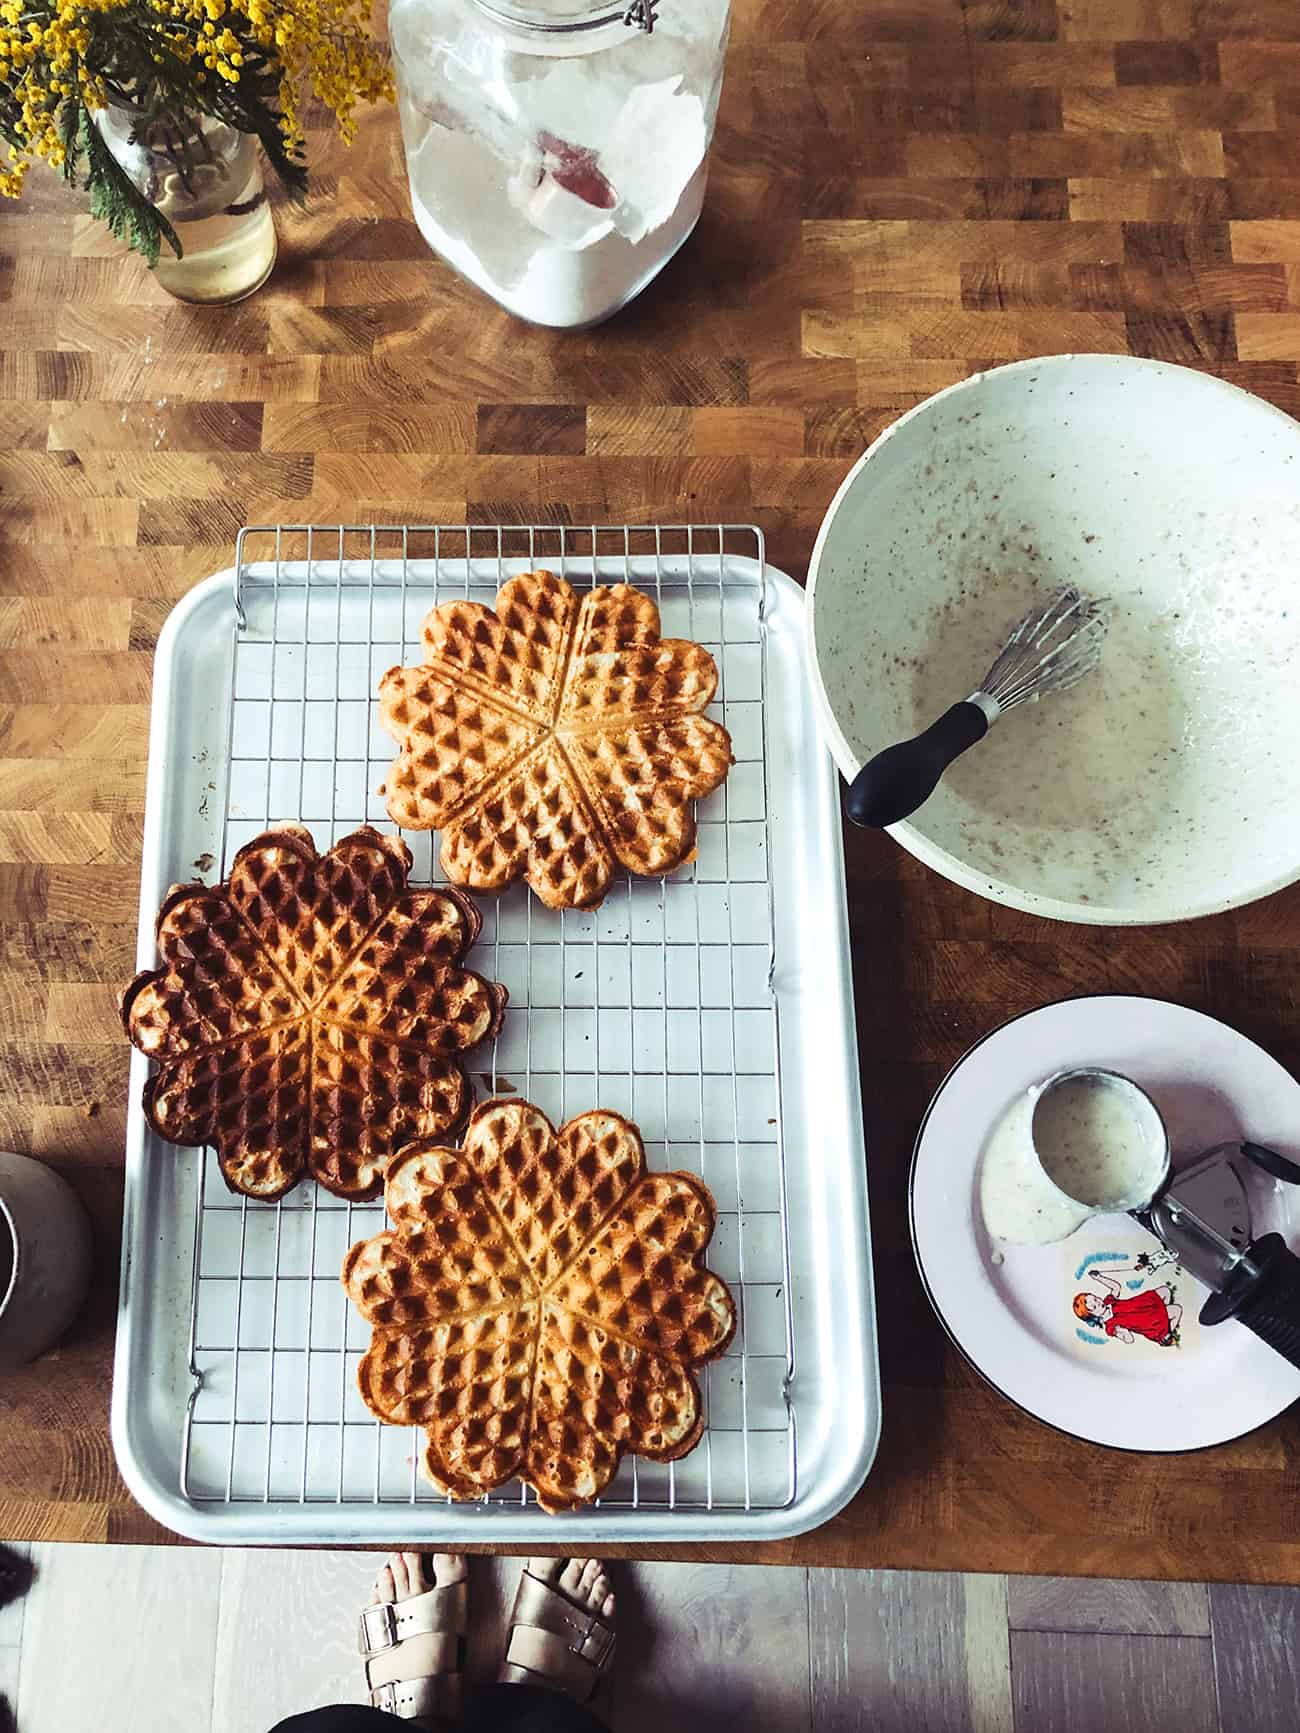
x,y
659,1004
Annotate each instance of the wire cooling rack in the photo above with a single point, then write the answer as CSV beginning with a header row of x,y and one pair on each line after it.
x,y
659,1004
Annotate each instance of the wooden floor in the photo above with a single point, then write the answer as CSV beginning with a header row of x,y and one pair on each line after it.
x,y
163,1639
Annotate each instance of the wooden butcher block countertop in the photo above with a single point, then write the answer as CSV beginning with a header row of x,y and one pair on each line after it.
x,y
903,191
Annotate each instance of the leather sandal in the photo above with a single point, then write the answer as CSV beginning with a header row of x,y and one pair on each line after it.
x,y
438,1617
555,1642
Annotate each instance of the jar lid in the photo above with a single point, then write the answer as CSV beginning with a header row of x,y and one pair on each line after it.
x,y
565,17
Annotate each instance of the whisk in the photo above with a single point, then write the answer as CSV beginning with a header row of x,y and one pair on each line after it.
x,y
1053,647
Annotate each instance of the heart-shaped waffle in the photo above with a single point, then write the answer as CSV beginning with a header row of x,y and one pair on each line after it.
x,y
554,738
309,1011
540,1304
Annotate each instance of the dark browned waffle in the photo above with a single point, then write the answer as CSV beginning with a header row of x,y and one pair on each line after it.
x,y
309,1011
541,1304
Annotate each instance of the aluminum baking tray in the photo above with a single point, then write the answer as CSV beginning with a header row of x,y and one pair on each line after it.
x,y
714,1007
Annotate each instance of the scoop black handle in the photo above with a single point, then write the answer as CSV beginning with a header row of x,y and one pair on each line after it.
x,y
1279,1166
898,780
1266,1301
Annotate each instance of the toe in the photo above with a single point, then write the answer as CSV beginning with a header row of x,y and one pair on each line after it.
x,y
548,1570
415,1583
397,1564
449,1567
385,1588
607,1607
571,1575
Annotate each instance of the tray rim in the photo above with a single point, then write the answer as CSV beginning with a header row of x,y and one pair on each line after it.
x,y
325,1523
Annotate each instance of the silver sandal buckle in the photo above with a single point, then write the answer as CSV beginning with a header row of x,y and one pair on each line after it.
x,y
594,1644
370,1641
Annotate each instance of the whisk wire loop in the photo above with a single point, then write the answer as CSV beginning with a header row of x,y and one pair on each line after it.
x,y
1049,650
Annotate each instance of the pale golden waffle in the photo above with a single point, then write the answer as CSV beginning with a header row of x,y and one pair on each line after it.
x,y
309,1011
540,1305
555,738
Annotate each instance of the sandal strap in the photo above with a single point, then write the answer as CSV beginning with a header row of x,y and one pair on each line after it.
x,y
438,1695
385,1624
571,1634
550,1662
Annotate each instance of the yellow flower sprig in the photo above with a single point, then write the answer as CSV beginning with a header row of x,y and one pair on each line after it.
x,y
250,63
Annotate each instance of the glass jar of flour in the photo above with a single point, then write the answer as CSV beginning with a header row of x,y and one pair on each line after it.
x,y
556,149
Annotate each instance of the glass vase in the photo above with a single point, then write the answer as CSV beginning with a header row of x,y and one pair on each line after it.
x,y
206,179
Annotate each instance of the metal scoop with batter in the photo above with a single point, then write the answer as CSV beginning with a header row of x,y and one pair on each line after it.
x,y
1202,1214
1051,649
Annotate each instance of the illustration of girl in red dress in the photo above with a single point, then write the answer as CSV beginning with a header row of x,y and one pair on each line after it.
x,y
1152,1313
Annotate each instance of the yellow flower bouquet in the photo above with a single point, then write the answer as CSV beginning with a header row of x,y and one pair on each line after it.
x,y
172,66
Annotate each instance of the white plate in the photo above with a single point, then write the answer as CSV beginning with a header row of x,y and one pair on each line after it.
x,y
1013,1318
1166,784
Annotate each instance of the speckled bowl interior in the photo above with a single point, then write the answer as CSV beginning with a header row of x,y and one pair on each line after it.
x,y
1167,784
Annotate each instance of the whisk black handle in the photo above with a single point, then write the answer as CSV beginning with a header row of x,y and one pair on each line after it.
x,y
1267,1301
896,781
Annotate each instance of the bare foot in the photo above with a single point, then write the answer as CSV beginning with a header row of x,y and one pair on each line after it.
x,y
416,1675
562,1627
582,1580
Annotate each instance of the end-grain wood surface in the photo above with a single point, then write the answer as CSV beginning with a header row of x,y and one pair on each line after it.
x,y
903,191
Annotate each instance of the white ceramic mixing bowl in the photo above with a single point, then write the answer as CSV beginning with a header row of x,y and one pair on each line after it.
x,y
1165,785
